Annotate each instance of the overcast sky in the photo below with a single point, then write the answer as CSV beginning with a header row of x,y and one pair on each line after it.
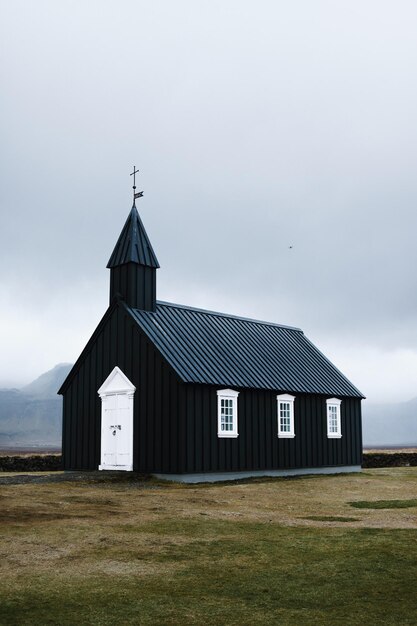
x,y
256,126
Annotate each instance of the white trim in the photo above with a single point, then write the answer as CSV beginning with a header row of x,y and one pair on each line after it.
x,y
285,398
117,390
119,468
334,402
227,394
124,386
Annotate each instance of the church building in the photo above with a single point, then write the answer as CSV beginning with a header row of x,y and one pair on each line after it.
x,y
197,395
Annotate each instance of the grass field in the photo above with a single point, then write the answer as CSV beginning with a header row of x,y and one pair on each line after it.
x,y
281,551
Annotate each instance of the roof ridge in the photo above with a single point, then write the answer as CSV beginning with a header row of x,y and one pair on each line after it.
x,y
230,315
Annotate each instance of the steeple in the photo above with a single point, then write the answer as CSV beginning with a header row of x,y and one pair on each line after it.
x,y
133,266
133,245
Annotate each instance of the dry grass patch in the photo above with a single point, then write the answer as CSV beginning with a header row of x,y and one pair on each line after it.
x,y
257,552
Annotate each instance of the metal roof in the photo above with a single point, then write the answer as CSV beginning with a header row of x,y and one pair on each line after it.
x,y
219,349
133,245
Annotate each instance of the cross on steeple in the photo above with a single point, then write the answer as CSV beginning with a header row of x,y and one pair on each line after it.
x,y
139,194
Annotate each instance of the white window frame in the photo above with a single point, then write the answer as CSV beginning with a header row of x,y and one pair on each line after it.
x,y
334,402
227,394
285,398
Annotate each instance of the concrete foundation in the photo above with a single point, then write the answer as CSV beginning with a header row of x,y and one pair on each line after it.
x,y
212,477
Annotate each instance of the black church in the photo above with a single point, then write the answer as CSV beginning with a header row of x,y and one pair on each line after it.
x,y
197,395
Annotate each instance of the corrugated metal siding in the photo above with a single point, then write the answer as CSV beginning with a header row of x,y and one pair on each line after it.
x,y
133,244
216,349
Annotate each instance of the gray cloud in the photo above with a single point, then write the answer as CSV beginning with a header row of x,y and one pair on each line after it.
x,y
256,126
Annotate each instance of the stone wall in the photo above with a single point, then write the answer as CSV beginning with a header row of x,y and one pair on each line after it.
x,y
34,463
53,462
391,459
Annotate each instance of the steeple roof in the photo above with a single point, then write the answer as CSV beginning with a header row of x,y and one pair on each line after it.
x,y
133,245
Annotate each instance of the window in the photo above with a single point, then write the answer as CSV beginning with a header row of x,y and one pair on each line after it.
x,y
333,418
285,415
227,413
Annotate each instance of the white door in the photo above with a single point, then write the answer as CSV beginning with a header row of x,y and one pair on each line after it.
x,y
116,422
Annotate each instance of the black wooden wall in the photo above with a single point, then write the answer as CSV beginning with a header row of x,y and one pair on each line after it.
x,y
118,341
175,424
258,446
136,283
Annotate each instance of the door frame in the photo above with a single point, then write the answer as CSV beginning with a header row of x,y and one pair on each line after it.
x,y
117,383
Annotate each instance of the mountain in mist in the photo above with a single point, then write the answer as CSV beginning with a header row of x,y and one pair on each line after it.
x,y
47,384
32,415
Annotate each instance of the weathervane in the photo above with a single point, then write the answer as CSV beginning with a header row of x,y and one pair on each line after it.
x,y
139,194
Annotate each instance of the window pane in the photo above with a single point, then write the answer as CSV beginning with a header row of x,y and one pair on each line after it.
x,y
285,425
226,414
333,419
285,417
